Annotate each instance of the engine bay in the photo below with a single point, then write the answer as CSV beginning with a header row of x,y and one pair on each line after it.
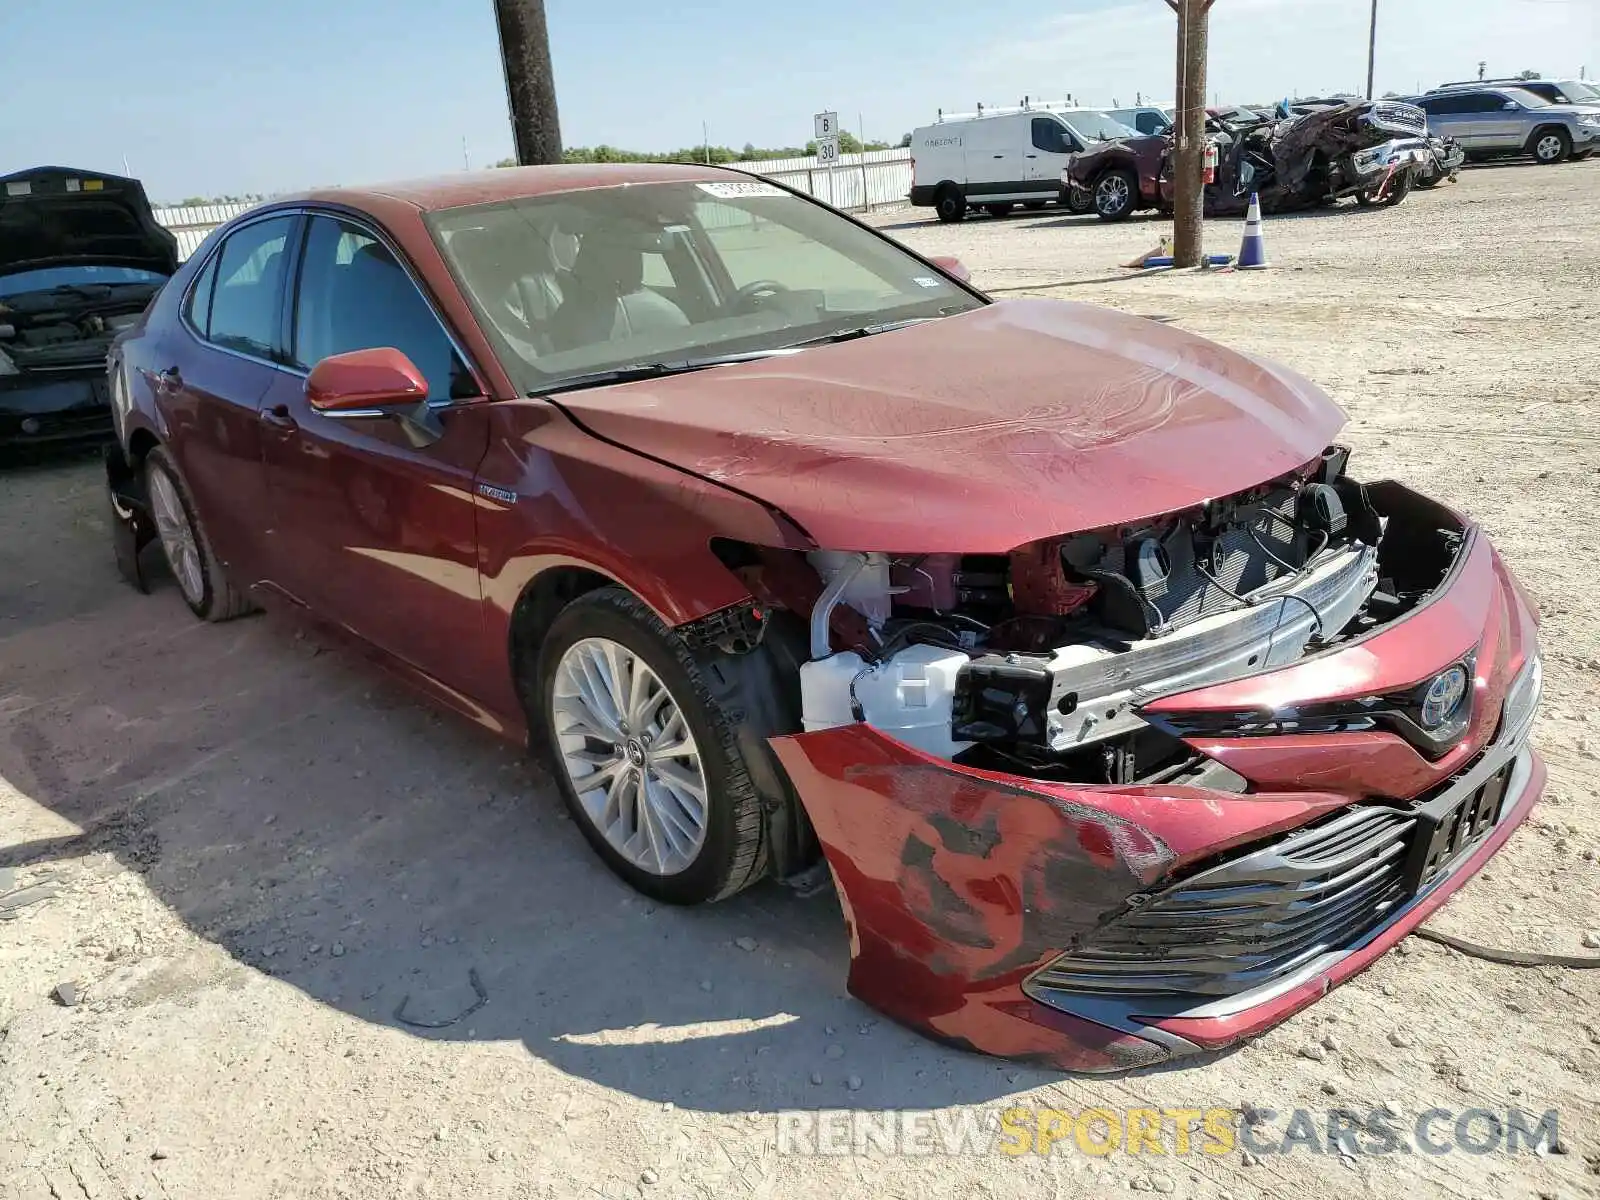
x,y
1037,663
68,326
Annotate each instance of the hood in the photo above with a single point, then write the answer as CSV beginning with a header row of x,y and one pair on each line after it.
x,y
57,215
980,432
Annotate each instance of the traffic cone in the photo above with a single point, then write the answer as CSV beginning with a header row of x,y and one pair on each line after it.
x,y
1253,253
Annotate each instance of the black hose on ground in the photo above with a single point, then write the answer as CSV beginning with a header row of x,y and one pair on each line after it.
x,y
1509,958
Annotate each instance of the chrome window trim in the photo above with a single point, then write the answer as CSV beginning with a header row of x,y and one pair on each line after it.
x,y
299,372
188,291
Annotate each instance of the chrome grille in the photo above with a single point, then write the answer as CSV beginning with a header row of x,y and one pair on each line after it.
x,y
1251,922
1248,920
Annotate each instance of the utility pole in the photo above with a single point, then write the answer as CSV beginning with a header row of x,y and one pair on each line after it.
x,y
530,85
1372,49
1189,138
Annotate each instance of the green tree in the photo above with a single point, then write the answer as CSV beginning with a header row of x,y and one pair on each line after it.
x,y
1528,75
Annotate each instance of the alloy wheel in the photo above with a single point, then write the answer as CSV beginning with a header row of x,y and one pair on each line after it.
x,y
1548,148
630,756
177,536
1111,196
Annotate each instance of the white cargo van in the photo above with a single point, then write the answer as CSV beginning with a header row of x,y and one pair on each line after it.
x,y
996,158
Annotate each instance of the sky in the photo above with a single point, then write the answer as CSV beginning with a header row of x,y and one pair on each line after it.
x,y
212,97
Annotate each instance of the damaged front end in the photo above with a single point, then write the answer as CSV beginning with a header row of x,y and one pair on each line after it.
x,y
1322,154
1125,794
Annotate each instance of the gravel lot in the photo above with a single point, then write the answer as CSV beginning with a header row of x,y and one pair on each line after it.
x,y
260,846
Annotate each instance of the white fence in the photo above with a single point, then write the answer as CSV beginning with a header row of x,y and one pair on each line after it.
x,y
191,224
860,181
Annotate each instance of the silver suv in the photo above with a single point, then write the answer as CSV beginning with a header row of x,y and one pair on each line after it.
x,y
1511,120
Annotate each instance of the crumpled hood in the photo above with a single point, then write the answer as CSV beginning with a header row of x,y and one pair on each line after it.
x,y
57,215
979,432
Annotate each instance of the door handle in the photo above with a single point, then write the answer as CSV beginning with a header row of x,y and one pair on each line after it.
x,y
279,417
999,155
170,380
1033,156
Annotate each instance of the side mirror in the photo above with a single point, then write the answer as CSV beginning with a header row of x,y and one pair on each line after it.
x,y
951,265
344,384
375,383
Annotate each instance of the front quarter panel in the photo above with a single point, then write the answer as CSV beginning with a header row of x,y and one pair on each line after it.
x,y
551,495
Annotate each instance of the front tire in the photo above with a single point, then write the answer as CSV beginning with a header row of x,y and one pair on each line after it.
x,y
1116,194
201,577
646,756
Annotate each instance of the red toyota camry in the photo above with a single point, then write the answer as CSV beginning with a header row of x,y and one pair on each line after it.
x,y
1125,717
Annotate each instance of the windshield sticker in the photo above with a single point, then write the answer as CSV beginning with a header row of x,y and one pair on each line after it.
x,y
19,187
924,281
72,185
729,190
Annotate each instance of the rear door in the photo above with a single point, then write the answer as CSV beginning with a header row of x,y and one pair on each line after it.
x,y
369,529
209,380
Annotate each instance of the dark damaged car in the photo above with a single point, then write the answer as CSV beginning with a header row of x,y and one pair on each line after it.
x,y
1316,155
81,255
1124,715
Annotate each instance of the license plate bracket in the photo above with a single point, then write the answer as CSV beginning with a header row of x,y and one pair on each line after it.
x,y
1449,825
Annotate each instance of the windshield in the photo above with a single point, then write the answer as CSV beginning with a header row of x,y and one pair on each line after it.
x,y
43,279
1579,92
1098,127
588,281
1526,98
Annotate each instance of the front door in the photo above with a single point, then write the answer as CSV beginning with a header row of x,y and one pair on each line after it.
x,y
369,529
1049,144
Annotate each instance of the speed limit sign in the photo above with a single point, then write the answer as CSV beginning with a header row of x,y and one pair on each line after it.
x,y
826,124
827,151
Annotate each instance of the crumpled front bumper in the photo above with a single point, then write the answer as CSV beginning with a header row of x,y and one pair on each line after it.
x,y
962,887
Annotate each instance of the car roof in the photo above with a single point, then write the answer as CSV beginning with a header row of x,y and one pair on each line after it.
x,y
511,183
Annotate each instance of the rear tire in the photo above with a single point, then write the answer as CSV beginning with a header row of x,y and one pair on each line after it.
x,y
950,204
732,851
1550,146
202,579
1116,194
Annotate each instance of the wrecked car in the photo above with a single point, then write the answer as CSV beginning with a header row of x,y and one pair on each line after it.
x,y
81,255
1443,163
1072,649
1316,155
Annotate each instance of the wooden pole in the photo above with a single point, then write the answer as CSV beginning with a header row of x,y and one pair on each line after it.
x,y
530,85
1372,49
1189,137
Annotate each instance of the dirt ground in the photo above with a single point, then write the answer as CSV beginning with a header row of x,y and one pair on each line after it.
x,y
259,847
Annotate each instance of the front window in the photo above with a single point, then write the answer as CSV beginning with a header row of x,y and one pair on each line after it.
x,y
1098,127
354,295
44,279
602,279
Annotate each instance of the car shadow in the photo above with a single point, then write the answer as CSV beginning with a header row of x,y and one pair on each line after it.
x,y
296,808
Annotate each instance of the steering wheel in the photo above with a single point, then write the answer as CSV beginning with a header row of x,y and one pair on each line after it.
x,y
757,290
